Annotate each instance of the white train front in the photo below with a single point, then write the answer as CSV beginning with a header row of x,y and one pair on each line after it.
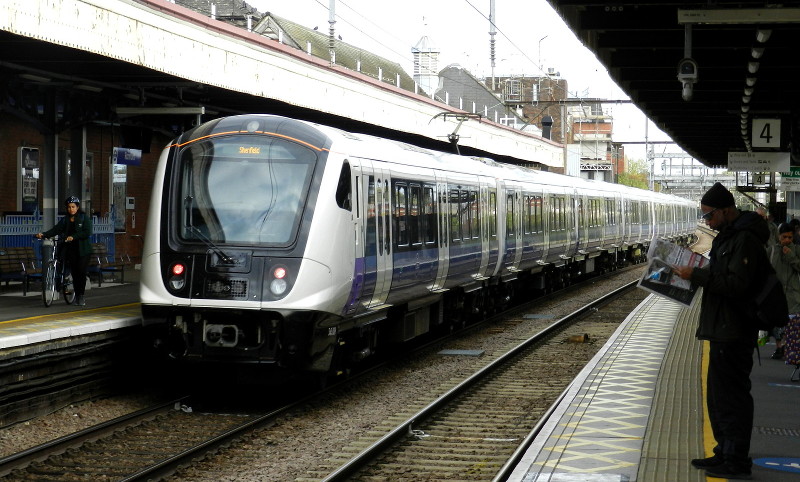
x,y
273,240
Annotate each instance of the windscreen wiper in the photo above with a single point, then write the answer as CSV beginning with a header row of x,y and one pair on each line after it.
x,y
214,248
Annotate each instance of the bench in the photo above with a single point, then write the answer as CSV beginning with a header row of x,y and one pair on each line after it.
x,y
19,264
100,262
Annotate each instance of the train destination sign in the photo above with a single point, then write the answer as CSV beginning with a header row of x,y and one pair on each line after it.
x,y
758,161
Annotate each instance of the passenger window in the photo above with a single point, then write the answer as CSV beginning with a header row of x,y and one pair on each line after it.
x,y
400,217
510,216
414,217
428,215
493,214
455,217
343,189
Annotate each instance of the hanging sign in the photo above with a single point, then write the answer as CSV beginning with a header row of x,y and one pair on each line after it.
x,y
123,155
758,161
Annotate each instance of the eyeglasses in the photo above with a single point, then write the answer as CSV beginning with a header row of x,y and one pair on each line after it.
x,y
709,214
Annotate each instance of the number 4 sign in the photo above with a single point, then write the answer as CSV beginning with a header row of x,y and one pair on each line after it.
x,y
766,133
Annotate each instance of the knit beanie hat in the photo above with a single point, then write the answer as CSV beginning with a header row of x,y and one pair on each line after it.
x,y
718,197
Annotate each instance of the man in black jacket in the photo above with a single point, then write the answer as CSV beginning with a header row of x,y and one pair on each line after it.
x,y
727,321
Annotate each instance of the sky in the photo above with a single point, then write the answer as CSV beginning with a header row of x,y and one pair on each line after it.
x,y
531,38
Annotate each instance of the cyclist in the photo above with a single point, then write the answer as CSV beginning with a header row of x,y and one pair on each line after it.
x,y
75,228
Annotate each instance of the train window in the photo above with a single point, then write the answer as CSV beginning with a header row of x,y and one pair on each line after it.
x,y
455,216
272,178
428,216
526,215
414,215
400,215
610,213
370,243
559,214
493,214
538,219
386,213
474,215
379,214
510,216
466,215
566,212
343,188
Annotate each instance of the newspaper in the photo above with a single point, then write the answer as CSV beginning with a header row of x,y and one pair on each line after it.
x,y
660,278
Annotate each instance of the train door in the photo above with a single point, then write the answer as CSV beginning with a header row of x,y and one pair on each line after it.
x,y
383,232
443,231
483,207
358,210
581,207
513,248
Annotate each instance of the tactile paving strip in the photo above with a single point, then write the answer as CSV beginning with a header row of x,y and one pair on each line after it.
x,y
598,433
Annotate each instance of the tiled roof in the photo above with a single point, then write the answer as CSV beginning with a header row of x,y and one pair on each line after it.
x,y
455,83
347,55
231,11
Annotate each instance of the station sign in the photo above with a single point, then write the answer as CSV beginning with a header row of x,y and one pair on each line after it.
x,y
758,161
790,180
766,133
123,155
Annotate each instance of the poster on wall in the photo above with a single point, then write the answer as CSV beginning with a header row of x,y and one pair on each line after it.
x,y
118,195
28,186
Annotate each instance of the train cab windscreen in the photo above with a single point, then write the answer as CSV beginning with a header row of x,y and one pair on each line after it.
x,y
243,190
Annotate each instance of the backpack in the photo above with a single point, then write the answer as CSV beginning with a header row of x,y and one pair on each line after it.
x,y
772,310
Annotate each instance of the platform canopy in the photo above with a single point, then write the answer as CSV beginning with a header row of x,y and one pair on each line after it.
x,y
745,58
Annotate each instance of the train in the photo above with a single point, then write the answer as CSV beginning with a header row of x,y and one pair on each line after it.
x,y
278,241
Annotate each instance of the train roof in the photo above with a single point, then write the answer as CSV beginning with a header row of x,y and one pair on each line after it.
x,y
370,147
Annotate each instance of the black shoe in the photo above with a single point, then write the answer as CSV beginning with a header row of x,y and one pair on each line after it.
x,y
727,470
707,462
777,354
80,301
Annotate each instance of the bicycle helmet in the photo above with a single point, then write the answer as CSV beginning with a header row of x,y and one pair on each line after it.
x,y
72,199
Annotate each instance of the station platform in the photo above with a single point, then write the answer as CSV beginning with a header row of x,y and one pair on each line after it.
x,y
636,412
27,326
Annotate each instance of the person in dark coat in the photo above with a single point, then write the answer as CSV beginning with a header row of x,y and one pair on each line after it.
x,y
76,227
737,268
785,258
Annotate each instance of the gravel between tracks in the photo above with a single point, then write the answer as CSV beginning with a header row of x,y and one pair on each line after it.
x,y
304,441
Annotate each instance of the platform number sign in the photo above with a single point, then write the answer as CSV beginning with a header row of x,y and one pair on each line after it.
x,y
766,133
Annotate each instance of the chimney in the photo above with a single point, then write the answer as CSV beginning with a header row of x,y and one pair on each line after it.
x,y
547,124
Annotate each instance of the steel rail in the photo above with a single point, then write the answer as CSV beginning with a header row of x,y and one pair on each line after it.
x,y
345,471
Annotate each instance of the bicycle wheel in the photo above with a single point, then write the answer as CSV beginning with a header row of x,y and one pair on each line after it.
x,y
49,284
67,289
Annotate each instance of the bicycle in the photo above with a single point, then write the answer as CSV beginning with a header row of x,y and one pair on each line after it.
x,y
54,275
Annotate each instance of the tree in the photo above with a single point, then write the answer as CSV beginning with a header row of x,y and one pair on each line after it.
x,y
635,174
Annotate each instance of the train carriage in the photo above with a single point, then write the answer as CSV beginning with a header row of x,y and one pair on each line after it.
x,y
282,242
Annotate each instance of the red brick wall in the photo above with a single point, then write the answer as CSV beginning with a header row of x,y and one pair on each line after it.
x,y
100,140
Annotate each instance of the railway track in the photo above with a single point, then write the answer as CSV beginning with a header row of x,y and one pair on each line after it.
x,y
146,445
474,430
170,437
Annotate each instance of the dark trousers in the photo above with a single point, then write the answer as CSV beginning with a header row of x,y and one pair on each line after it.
x,y
77,265
730,404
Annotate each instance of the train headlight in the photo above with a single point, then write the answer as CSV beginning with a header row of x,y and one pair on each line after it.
x,y
177,278
278,285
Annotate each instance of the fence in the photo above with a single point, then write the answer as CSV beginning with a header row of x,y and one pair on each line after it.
x,y
17,230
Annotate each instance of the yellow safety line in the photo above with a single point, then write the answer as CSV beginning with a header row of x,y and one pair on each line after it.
x,y
107,308
708,436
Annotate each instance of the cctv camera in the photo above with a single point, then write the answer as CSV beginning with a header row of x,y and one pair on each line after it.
x,y
686,92
687,71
